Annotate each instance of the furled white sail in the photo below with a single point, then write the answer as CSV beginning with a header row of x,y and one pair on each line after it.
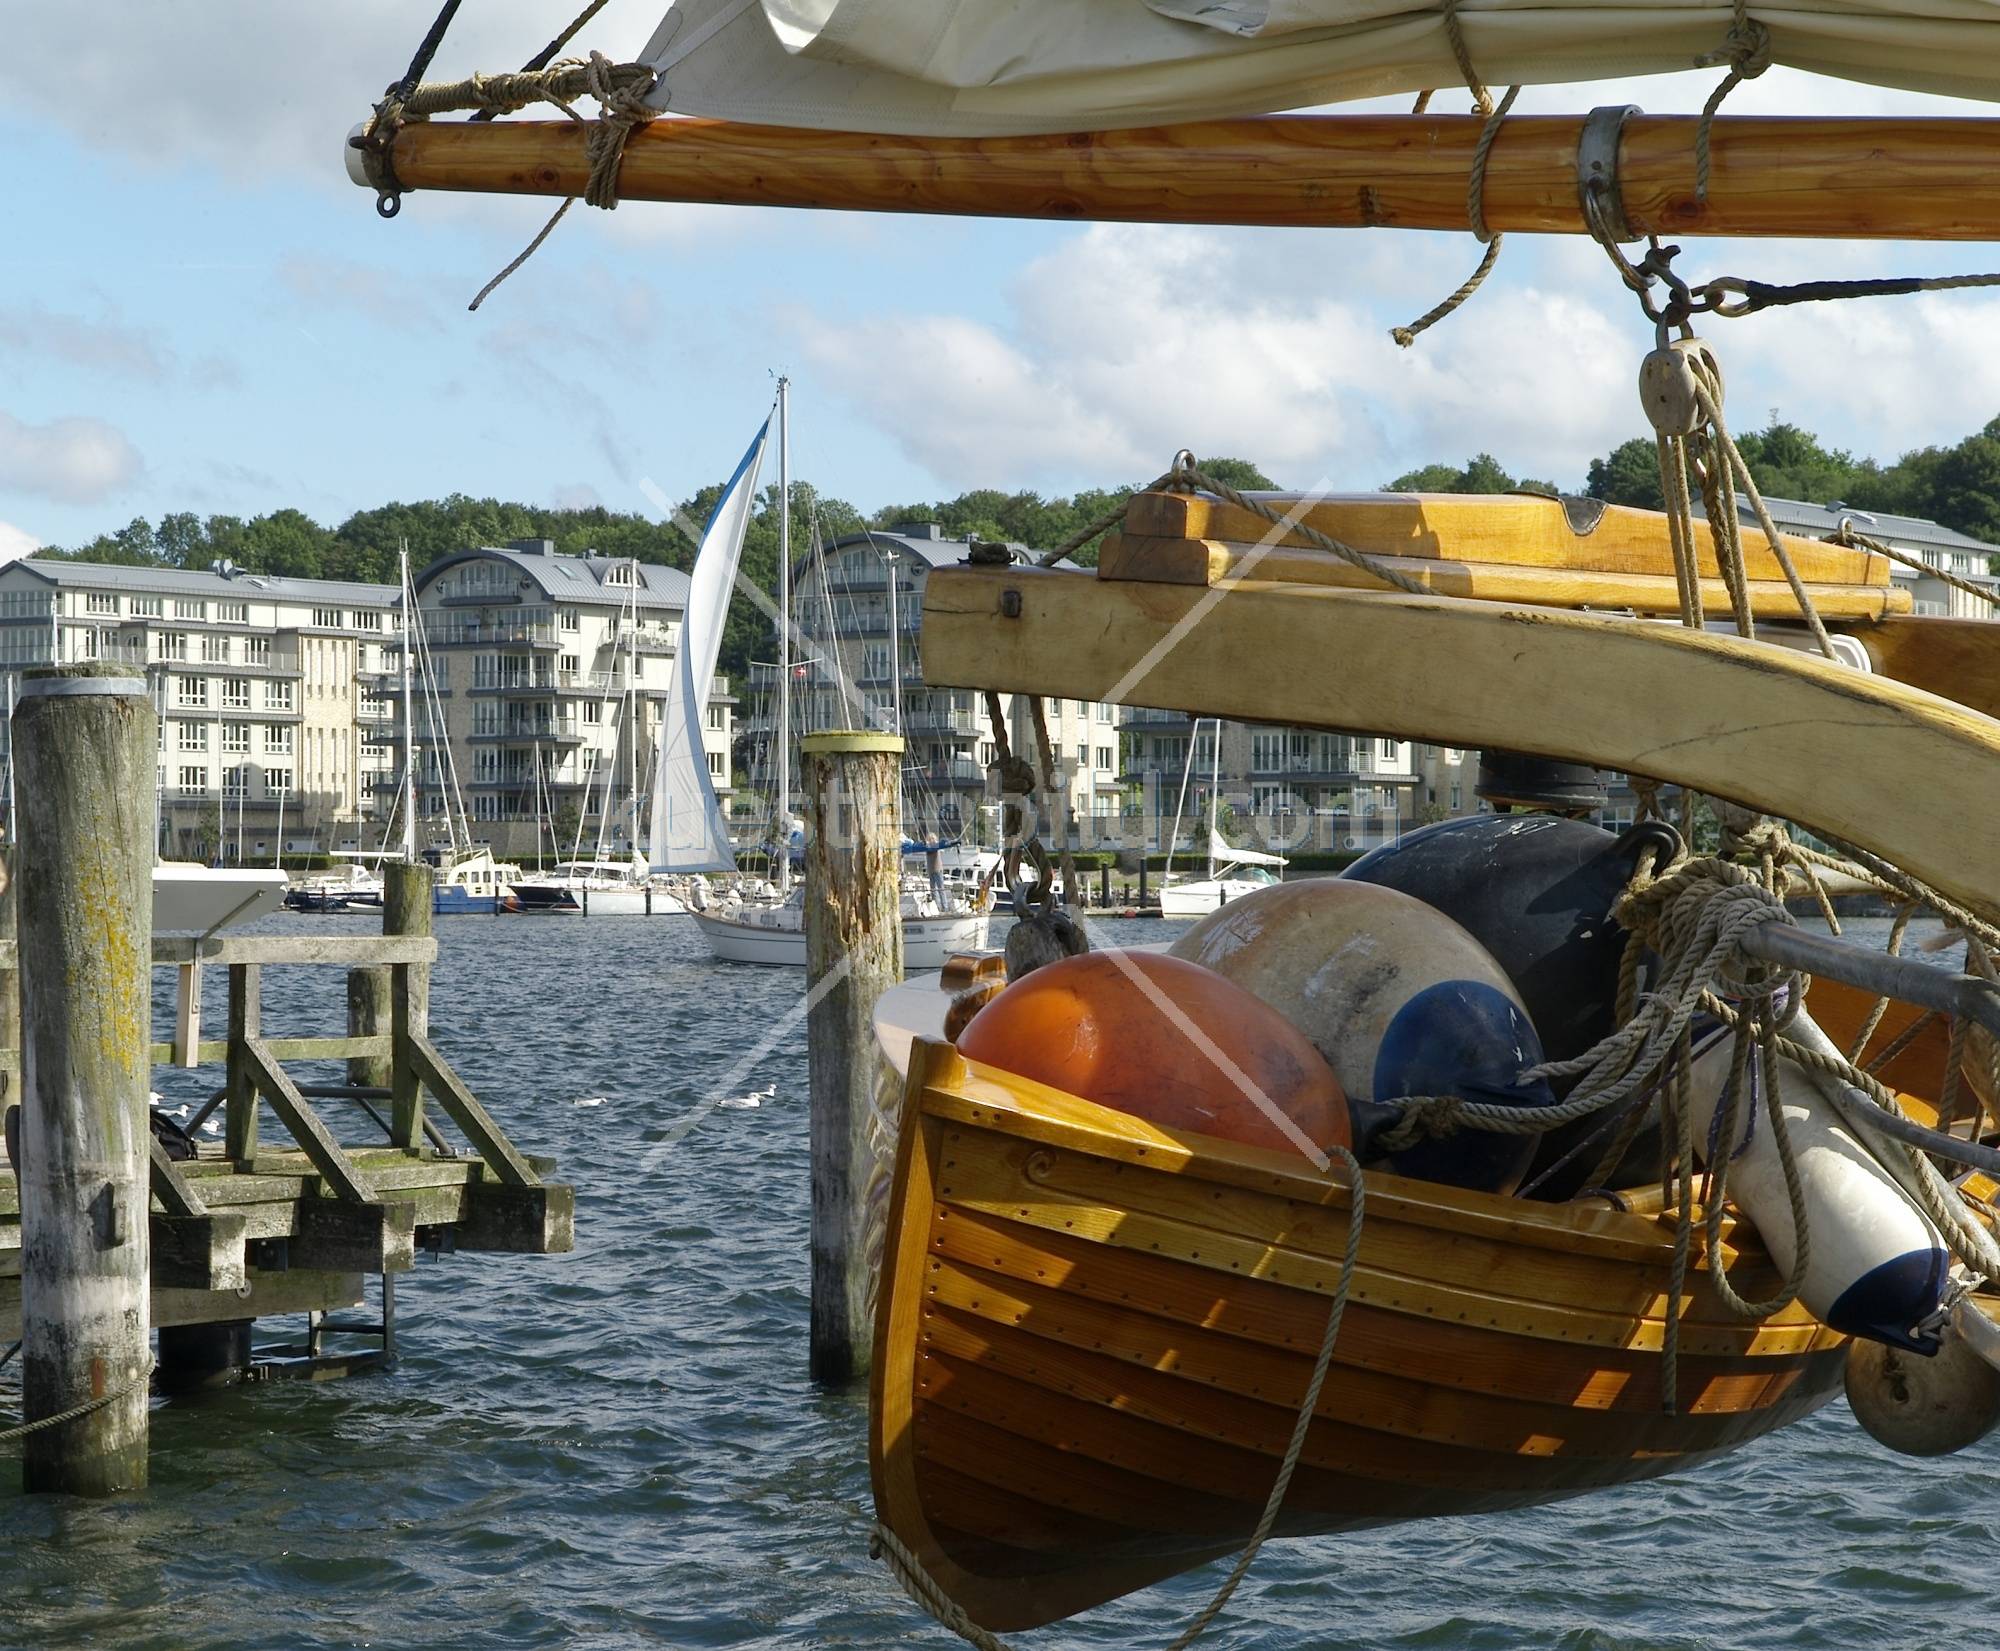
x,y
993,67
1224,853
688,833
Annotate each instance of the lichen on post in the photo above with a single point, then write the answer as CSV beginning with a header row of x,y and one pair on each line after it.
x,y
84,742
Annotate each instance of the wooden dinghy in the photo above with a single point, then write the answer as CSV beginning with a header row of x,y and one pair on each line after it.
x,y
1093,1336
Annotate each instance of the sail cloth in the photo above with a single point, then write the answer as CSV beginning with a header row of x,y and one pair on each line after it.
x,y
975,68
1227,854
688,833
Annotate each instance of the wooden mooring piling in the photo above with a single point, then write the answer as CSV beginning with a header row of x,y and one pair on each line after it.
x,y
103,1234
854,952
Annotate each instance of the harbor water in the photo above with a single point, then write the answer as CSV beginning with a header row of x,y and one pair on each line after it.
x,y
620,1448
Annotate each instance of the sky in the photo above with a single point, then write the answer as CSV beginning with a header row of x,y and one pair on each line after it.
x,y
199,312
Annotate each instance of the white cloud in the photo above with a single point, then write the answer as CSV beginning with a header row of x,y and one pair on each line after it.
x,y
105,345
1126,344
70,460
256,88
16,542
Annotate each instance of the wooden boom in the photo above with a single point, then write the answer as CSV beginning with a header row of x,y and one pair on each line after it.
x,y
1863,178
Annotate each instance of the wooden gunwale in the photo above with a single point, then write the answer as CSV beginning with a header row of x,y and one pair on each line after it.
x,y
1540,1301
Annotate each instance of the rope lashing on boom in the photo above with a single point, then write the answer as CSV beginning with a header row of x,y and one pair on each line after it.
x,y
1475,183
1747,51
925,1589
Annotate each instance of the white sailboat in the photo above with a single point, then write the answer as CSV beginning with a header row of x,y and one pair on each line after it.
x,y
1232,872
688,828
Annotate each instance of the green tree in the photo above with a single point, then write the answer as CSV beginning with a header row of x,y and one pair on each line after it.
x,y
1240,474
1483,474
1967,485
1629,474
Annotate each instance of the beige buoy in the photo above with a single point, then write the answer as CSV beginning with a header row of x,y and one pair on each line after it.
x,y
1923,1406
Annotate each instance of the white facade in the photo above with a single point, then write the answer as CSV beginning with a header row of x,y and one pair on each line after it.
x,y
537,723
254,679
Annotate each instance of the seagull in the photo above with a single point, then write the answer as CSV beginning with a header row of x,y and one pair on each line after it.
x,y
210,1126
756,1098
589,1100
182,1110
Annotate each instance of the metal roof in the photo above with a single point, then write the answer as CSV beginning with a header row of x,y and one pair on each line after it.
x,y
1901,531
931,548
203,582
574,578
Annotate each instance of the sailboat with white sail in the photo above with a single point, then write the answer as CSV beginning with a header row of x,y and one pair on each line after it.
x,y
689,832
1232,872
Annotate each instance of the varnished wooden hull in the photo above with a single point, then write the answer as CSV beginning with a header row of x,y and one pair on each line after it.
x,y
1093,1336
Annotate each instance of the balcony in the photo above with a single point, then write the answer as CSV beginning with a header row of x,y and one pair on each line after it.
x,y
450,631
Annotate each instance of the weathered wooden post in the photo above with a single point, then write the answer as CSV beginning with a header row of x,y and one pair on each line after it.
x,y
84,746
10,1005
407,903
406,909
854,952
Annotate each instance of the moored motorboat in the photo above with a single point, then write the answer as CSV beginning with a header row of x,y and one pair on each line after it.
x,y
192,899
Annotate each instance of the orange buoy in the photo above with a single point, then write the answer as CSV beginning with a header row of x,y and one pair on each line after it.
x,y
1164,1040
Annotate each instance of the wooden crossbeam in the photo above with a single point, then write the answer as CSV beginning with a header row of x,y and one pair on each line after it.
x,y
344,950
314,1140
284,1049
464,1110
175,1195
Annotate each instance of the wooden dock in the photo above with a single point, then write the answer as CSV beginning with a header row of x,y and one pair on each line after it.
x,y
248,1229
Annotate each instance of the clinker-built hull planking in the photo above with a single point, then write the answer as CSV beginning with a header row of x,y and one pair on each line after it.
x,y
1094,1335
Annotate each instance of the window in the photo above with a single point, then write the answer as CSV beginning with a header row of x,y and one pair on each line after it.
x,y
715,717
100,601
367,619
236,780
485,716
173,645
1104,713
591,760
194,690
278,740
256,650
88,643
486,670
1388,750
1457,798
235,693
194,779
1105,758
277,696
1083,759
277,781
236,738
1083,710
570,664
328,618
145,607
233,613
193,736
571,620
186,609
621,573
593,711
715,764
215,649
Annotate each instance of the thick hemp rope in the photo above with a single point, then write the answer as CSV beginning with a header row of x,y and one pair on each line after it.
x,y
1747,51
1475,183
23,1429
927,1592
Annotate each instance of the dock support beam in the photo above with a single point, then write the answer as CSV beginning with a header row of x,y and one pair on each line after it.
x,y
854,952
84,744
406,910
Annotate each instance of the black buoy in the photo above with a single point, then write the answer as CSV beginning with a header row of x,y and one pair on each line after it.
x,y
1537,891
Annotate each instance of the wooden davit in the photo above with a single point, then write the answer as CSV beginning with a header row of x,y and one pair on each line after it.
x,y
1093,1336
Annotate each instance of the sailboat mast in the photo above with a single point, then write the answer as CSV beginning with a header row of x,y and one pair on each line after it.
x,y
895,648
409,715
1214,786
784,823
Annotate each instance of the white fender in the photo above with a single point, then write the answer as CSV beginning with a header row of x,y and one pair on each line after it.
x,y
1878,1267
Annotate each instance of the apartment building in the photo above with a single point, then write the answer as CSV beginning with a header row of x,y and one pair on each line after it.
x,y
842,605
539,682
254,676
1291,789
